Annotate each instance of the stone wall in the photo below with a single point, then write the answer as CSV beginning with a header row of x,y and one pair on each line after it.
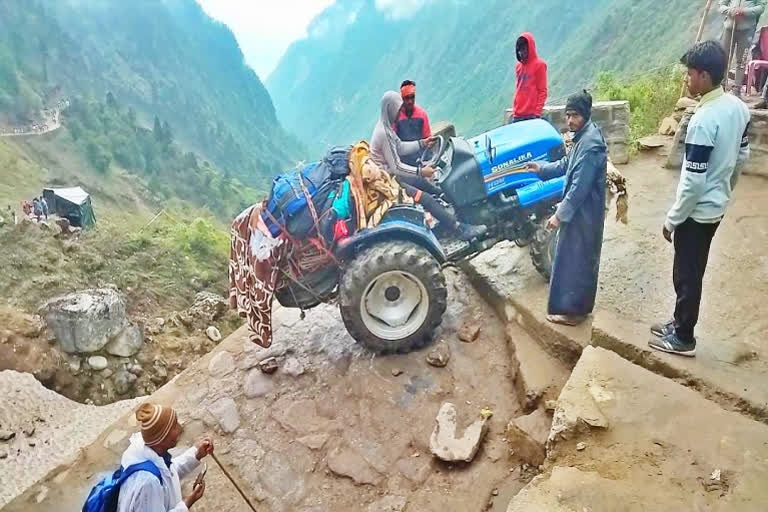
x,y
758,144
611,116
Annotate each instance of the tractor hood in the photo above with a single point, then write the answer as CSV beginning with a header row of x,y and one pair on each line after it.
x,y
495,161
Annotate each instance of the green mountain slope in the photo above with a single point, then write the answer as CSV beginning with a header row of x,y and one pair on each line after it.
x,y
461,54
165,58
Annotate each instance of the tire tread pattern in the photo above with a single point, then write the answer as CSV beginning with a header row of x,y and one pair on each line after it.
x,y
383,257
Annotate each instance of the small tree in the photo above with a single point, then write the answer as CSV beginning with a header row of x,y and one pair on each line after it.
x,y
167,133
111,101
98,156
157,130
132,117
75,128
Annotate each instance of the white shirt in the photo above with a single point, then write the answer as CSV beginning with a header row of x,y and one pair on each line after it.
x,y
142,492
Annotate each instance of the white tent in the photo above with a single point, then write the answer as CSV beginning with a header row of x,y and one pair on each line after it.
x,y
74,195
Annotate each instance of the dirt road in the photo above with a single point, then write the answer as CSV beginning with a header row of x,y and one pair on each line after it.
x,y
50,121
636,267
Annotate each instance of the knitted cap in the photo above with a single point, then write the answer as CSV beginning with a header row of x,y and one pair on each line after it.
x,y
156,421
580,102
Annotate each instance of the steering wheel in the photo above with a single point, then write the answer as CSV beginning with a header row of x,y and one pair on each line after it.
x,y
435,151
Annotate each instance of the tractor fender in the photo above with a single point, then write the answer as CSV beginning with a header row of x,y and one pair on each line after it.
x,y
388,231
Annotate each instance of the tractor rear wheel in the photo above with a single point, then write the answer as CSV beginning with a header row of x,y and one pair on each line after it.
x,y
392,297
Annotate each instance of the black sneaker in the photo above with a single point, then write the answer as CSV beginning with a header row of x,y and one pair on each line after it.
x,y
674,345
661,330
468,232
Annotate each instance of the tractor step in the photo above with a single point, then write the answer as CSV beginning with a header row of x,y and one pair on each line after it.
x,y
455,248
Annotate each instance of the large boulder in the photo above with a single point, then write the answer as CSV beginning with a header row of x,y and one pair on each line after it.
x,y
85,321
127,342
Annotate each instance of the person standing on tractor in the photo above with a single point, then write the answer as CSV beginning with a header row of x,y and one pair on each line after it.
x,y
413,122
716,147
387,150
741,17
531,85
579,216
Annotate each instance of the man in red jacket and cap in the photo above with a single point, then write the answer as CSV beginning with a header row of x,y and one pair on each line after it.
x,y
531,88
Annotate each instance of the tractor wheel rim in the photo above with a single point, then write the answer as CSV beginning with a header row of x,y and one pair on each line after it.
x,y
394,305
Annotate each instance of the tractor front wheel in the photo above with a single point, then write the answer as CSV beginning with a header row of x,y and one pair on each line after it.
x,y
542,251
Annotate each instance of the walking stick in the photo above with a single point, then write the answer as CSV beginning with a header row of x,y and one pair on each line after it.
x,y
731,47
698,38
703,19
232,480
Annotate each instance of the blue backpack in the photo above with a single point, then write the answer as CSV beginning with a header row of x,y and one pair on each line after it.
x,y
288,204
103,497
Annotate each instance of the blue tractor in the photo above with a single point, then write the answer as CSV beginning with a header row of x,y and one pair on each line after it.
x,y
391,290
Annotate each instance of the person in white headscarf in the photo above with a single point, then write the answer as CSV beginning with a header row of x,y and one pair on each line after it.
x,y
386,150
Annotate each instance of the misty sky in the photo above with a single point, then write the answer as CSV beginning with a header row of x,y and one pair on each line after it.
x,y
264,29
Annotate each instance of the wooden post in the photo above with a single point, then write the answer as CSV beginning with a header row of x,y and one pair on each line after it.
x,y
698,35
703,21
731,47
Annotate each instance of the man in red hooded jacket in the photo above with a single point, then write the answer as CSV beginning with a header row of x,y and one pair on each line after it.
x,y
531,88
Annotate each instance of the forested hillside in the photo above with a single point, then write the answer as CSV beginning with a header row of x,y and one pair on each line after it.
x,y
166,58
461,54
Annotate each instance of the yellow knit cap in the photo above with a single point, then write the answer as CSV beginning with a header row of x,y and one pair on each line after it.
x,y
156,421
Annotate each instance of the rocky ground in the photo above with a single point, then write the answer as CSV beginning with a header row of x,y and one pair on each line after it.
x,y
86,347
624,438
337,428
40,429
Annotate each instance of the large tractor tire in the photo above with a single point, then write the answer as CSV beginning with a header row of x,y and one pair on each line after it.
x,y
542,251
392,297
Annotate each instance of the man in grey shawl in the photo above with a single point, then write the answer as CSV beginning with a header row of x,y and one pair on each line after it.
x,y
579,216
386,150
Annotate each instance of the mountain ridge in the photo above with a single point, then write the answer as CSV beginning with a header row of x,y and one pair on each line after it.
x,y
165,58
327,87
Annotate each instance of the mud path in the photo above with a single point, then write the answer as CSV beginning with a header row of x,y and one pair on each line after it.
x,y
636,267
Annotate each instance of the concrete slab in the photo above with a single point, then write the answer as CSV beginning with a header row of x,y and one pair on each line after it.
x,y
662,446
635,290
731,374
507,280
539,376
570,489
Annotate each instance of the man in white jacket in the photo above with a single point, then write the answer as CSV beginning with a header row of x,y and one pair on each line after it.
x,y
160,432
716,148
